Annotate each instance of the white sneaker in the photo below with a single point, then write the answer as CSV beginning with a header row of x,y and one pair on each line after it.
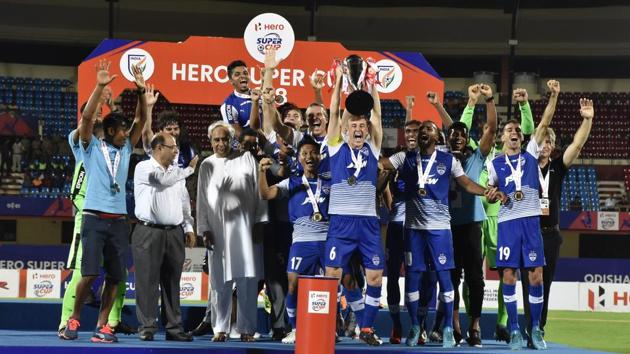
x,y
289,338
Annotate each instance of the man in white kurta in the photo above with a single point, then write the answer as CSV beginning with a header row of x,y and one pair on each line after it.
x,y
228,207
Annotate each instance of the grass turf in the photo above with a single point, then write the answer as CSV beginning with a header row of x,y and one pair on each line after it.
x,y
603,331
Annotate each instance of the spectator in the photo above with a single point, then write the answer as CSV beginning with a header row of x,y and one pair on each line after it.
x,y
6,156
576,204
17,150
610,203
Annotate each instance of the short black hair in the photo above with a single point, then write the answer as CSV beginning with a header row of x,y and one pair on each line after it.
x,y
233,65
308,140
247,131
458,126
510,121
114,120
413,122
158,139
166,118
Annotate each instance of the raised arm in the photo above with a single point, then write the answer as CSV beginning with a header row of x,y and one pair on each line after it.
x,y
334,129
487,139
411,101
317,83
162,178
254,113
88,118
434,100
147,132
545,121
376,123
136,129
527,118
573,151
266,192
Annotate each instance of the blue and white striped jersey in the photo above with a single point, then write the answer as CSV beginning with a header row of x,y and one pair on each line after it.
x,y
429,212
301,210
500,175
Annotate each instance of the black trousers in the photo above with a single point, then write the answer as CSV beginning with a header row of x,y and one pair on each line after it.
x,y
276,244
394,256
551,242
467,248
158,256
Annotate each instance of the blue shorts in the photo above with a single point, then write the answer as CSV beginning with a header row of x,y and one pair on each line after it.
x,y
428,250
520,244
348,233
307,258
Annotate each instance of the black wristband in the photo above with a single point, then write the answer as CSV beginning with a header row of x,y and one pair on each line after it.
x,y
491,98
141,91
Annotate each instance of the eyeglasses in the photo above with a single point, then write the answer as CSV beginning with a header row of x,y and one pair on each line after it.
x,y
171,146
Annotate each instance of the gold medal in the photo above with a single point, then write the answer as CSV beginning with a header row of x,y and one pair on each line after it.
x,y
518,196
317,216
352,180
422,192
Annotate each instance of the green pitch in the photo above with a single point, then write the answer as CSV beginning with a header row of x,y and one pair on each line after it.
x,y
590,330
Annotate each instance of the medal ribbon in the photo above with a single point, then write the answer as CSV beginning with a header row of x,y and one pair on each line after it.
x,y
313,198
516,174
422,176
357,161
112,169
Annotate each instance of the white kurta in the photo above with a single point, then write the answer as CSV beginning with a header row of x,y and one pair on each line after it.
x,y
228,205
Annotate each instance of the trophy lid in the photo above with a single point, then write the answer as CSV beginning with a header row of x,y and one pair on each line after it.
x,y
359,103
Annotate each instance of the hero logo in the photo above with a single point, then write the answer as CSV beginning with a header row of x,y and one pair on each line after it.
x,y
594,299
318,302
269,31
389,76
186,290
140,57
43,288
3,285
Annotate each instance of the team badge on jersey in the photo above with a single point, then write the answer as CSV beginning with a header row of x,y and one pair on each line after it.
x,y
442,258
441,168
376,260
532,256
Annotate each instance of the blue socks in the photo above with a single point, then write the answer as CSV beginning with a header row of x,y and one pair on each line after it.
x,y
536,300
447,296
291,306
509,298
412,295
372,302
355,302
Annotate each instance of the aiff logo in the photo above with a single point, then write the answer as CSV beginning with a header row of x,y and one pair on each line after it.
x,y
389,76
139,57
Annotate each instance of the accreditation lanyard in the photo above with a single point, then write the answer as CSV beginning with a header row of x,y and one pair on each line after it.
x,y
423,175
544,186
516,174
313,198
111,168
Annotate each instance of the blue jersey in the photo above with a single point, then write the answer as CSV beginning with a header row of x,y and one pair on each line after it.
x,y
358,198
429,212
500,175
236,109
301,210
465,207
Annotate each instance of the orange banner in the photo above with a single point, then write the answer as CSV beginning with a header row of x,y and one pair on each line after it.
x,y
195,71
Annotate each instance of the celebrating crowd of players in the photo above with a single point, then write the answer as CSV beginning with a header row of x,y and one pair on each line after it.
x,y
298,194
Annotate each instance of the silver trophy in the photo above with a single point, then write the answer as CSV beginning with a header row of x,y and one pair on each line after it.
x,y
355,69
